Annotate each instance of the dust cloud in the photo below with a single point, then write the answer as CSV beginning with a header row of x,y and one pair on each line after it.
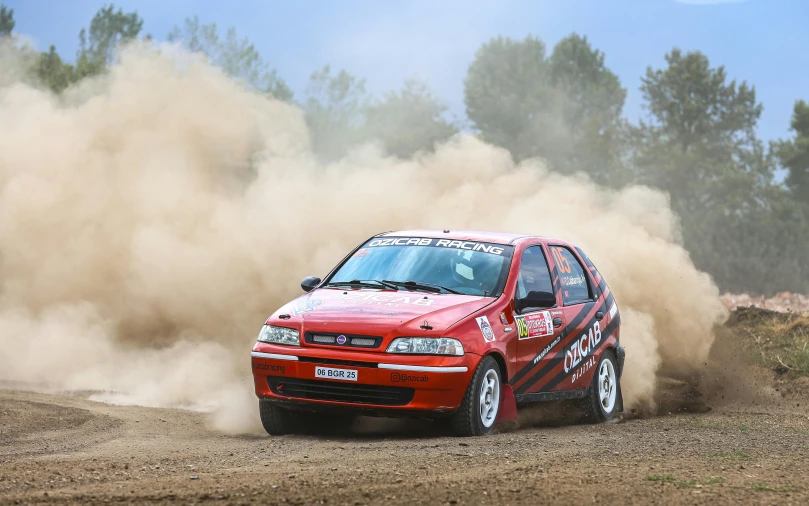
x,y
150,220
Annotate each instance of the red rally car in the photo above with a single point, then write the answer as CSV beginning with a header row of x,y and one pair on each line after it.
x,y
432,323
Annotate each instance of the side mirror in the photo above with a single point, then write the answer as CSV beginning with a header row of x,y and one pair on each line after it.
x,y
309,283
536,299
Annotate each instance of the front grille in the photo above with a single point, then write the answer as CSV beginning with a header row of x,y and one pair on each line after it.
x,y
332,361
347,340
340,392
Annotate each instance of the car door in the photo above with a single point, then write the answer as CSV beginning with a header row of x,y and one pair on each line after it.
x,y
538,329
569,366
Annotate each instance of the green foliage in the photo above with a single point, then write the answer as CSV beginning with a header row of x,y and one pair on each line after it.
x,y
237,57
734,455
6,21
794,154
408,121
334,109
699,145
52,72
763,487
565,108
779,341
660,477
108,29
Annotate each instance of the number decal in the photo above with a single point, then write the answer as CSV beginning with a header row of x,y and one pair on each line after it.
x,y
561,261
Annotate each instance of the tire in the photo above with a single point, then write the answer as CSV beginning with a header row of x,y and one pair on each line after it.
x,y
483,389
602,402
275,419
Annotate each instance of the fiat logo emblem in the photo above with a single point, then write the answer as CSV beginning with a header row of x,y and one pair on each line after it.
x,y
341,339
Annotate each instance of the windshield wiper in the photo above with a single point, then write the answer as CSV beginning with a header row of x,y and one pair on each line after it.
x,y
366,283
420,285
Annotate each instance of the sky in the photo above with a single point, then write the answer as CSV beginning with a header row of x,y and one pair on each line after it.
x,y
763,42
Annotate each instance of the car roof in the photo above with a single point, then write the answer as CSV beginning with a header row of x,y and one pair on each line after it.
x,y
463,235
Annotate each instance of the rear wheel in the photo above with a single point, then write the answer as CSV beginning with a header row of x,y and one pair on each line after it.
x,y
275,419
481,403
602,403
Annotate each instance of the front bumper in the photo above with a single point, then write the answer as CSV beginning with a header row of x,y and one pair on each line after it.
x,y
385,383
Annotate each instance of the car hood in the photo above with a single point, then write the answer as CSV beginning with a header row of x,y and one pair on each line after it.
x,y
378,312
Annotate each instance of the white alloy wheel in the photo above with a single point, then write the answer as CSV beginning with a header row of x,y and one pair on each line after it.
x,y
607,383
490,398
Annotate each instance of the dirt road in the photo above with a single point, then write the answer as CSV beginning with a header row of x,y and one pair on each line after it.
x,y
66,449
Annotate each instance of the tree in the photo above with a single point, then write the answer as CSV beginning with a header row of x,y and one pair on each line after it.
x,y
6,21
565,108
700,142
591,103
236,57
794,154
408,121
334,109
53,73
108,29
699,145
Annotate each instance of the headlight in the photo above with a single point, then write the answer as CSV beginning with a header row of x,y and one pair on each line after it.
x,y
426,346
279,335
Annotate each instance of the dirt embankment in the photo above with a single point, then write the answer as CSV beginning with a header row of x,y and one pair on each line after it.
x,y
747,442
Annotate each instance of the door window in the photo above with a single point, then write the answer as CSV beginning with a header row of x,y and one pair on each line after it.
x,y
534,274
575,285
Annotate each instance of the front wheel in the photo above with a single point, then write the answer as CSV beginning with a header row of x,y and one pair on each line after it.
x,y
275,419
481,403
602,403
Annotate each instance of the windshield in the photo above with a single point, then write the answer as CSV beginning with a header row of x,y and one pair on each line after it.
x,y
467,267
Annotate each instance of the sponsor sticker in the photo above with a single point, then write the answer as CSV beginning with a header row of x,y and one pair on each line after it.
x,y
582,348
381,299
547,349
306,306
539,324
485,328
503,318
270,367
573,280
403,377
494,249
360,253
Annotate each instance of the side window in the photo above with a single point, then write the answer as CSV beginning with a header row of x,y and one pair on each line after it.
x,y
575,286
534,274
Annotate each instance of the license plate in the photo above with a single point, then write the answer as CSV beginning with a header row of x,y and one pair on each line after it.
x,y
336,374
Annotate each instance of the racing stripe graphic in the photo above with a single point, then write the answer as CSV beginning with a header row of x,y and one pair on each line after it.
x,y
605,336
556,373
604,301
587,310
548,371
564,332
536,382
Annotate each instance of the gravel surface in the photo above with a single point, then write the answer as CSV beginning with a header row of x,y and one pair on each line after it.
x,y
61,448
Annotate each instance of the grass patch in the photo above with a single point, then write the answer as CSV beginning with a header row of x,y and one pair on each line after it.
x,y
744,428
779,341
735,455
669,478
763,487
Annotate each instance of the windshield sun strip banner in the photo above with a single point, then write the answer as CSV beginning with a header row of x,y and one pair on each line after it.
x,y
485,247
